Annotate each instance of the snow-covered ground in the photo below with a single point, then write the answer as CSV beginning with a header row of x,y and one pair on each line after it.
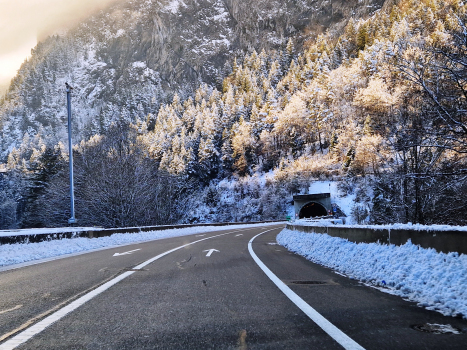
x,y
18,253
37,231
409,226
344,202
436,281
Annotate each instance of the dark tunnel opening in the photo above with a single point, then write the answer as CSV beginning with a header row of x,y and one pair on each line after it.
x,y
311,210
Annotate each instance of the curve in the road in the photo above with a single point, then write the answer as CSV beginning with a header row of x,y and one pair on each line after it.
x,y
340,337
40,326
323,323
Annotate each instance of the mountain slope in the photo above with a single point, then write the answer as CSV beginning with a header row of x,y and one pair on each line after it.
x,y
127,60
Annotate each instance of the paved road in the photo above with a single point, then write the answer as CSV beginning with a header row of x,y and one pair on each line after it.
x,y
199,298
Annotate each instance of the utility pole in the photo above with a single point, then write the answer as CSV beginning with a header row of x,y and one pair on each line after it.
x,y
72,219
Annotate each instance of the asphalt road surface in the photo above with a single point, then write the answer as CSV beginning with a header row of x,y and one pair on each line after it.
x,y
220,290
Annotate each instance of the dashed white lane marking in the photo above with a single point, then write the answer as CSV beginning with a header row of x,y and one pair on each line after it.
x,y
344,340
40,326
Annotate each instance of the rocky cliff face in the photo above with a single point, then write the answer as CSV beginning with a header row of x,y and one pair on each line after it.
x,y
126,60
264,24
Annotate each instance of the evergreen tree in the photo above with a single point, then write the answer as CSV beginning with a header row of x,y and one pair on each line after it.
x,y
362,37
48,164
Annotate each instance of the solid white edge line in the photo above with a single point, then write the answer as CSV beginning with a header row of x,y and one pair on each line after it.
x,y
40,326
344,340
35,329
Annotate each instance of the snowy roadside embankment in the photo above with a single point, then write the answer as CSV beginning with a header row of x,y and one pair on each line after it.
x,y
409,226
20,253
43,231
436,281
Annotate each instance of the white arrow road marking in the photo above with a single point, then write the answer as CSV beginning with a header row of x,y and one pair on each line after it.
x,y
240,234
126,253
12,309
30,332
210,251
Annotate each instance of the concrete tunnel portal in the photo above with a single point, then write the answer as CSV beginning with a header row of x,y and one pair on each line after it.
x,y
312,205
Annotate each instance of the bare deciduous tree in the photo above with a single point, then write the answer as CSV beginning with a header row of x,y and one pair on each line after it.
x,y
115,186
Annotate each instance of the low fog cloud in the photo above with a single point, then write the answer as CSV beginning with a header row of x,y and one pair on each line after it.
x,y
22,22
22,19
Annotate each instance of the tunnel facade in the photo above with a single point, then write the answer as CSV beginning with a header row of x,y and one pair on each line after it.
x,y
312,205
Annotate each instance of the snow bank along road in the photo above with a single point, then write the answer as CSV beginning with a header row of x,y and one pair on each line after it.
x,y
216,290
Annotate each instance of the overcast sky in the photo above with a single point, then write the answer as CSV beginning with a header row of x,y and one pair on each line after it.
x,y
24,22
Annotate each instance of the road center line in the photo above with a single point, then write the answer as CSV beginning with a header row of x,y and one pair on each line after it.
x,y
324,324
35,329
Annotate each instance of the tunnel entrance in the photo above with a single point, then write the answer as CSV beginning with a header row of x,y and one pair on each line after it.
x,y
311,210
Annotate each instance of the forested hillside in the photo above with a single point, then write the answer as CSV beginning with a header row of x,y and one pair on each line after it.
x,y
127,60
378,104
